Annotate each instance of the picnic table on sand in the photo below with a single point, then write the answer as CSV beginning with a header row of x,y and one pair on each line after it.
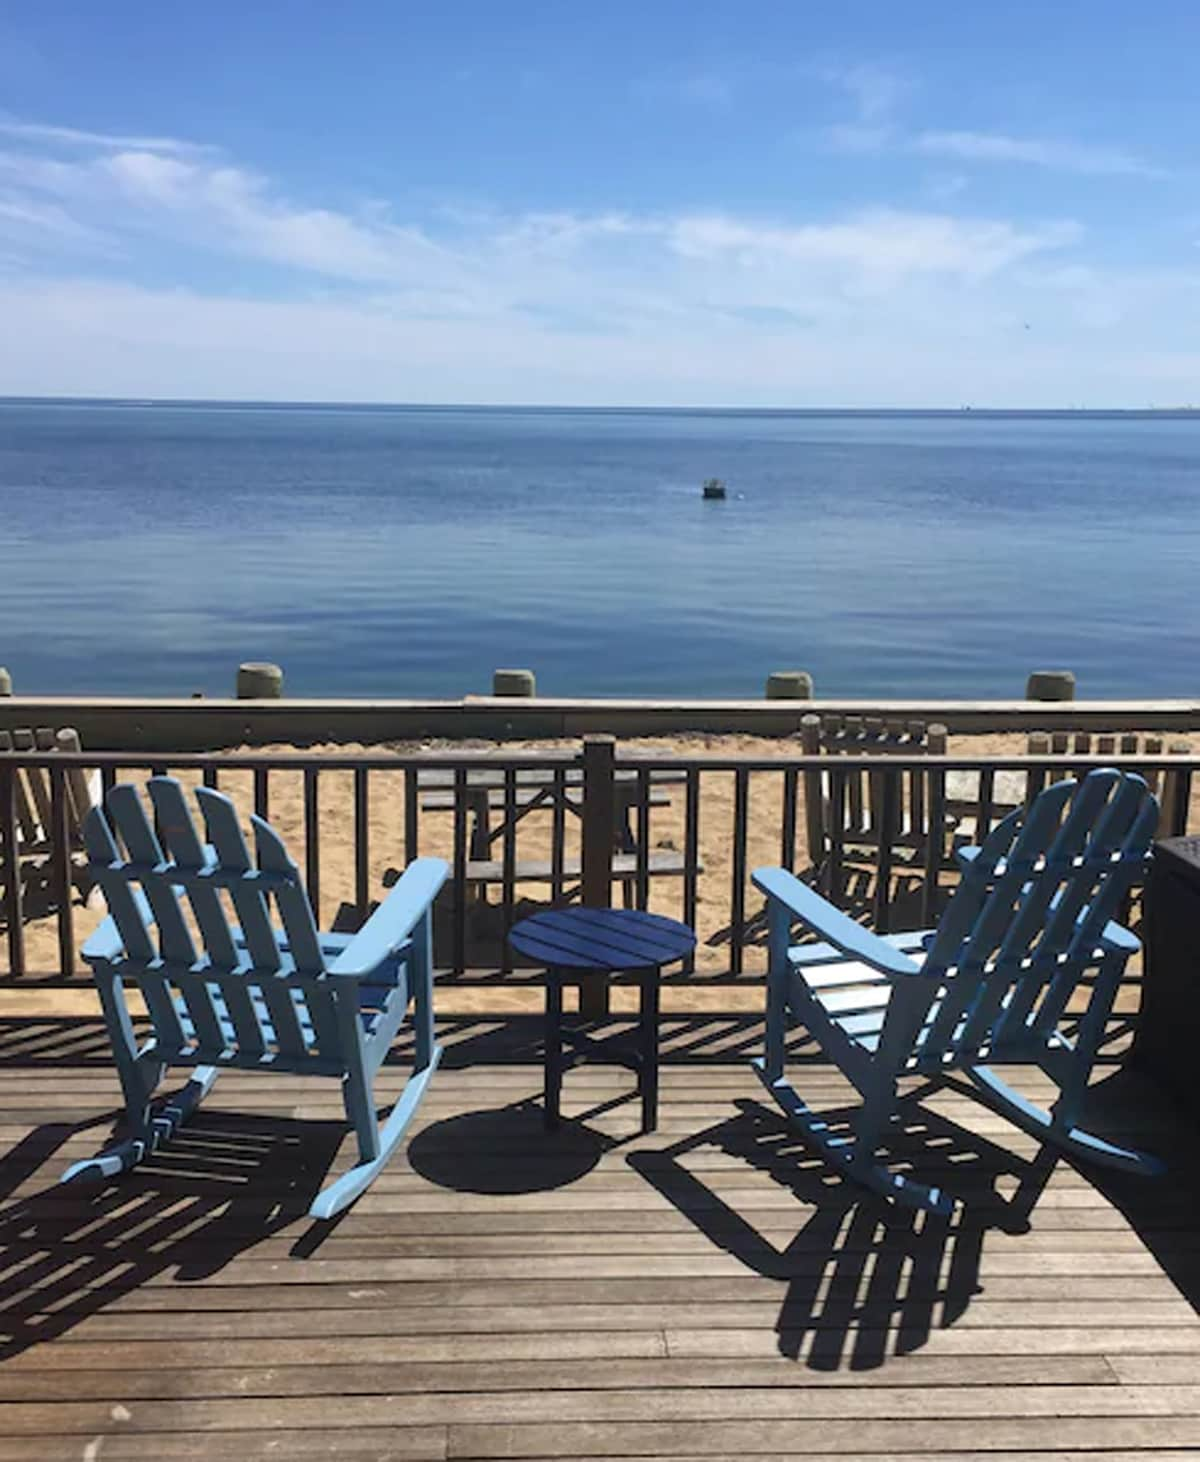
x,y
540,788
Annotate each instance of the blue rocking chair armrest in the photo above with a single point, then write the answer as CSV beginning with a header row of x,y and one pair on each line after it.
x,y
831,924
104,943
394,920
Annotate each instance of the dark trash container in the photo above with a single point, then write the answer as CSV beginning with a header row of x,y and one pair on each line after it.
x,y
1167,1045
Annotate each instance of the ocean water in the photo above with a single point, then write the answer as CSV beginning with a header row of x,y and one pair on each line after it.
x,y
409,551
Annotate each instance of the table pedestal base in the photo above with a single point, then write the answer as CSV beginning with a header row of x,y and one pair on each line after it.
x,y
569,1045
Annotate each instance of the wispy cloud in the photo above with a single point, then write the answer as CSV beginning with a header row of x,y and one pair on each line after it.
x,y
640,261
879,247
262,292
1075,157
73,137
876,94
874,89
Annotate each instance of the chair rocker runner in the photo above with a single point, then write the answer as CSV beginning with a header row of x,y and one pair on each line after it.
x,y
1031,917
257,998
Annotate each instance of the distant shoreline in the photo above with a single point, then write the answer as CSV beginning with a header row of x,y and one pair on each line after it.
x,y
935,413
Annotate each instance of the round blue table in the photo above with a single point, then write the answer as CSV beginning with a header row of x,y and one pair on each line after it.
x,y
578,944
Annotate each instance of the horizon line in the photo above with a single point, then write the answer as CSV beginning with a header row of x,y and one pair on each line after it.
x,y
613,408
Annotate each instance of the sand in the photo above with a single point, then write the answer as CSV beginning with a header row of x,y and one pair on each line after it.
x,y
485,920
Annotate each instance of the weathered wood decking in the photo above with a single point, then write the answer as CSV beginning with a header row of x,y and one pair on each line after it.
x,y
707,1291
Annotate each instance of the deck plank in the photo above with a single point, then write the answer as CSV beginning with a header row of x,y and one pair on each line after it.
x,y
706,1291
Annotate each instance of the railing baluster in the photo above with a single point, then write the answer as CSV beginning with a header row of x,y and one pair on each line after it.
x,y
558,837
691,854
599,814
108,780
787,854
460,869
210,776
642,895
987,786
934,845
737,913
312,844
362,841
262,793
596,865
11,869
1183,798
509,864
60,868
889,790
1039,746
836,833
411,813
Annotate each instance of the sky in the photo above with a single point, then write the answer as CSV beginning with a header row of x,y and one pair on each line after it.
x,y
661,203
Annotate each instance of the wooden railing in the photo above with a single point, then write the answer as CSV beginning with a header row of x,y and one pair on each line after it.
x,y
677,834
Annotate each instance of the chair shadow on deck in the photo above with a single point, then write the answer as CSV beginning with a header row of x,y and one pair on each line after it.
x,y
222,1184
865,1280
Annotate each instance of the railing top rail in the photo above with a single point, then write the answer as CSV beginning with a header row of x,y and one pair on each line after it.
x,y
296,760
633,760
887,761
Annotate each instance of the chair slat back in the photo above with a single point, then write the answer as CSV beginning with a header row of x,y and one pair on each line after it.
x,y
1168,786
250,994
861,817
1023,926
220,820
34,801
187,852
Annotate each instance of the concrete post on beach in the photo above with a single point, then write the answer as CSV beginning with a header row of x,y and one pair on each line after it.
x,y
789,685
258,680
1050,685
514,682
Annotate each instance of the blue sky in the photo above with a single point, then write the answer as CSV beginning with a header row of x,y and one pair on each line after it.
x,y
785,204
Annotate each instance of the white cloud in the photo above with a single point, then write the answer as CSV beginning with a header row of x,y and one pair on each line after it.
x,y
73,137
41,219
864,306
876,92
1075,157
231,211
880,246
91,337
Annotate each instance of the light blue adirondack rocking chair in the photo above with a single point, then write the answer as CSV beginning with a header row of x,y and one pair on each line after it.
x,y
1031,917
256,998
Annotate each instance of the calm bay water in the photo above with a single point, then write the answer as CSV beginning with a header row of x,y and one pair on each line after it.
x,y
407,551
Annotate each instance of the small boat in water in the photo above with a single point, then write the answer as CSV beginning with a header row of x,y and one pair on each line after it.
x,y
713,490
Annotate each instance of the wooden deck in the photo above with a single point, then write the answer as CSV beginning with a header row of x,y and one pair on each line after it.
x,y
709,1291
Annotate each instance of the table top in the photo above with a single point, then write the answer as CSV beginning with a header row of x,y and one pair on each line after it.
x,y
601,939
